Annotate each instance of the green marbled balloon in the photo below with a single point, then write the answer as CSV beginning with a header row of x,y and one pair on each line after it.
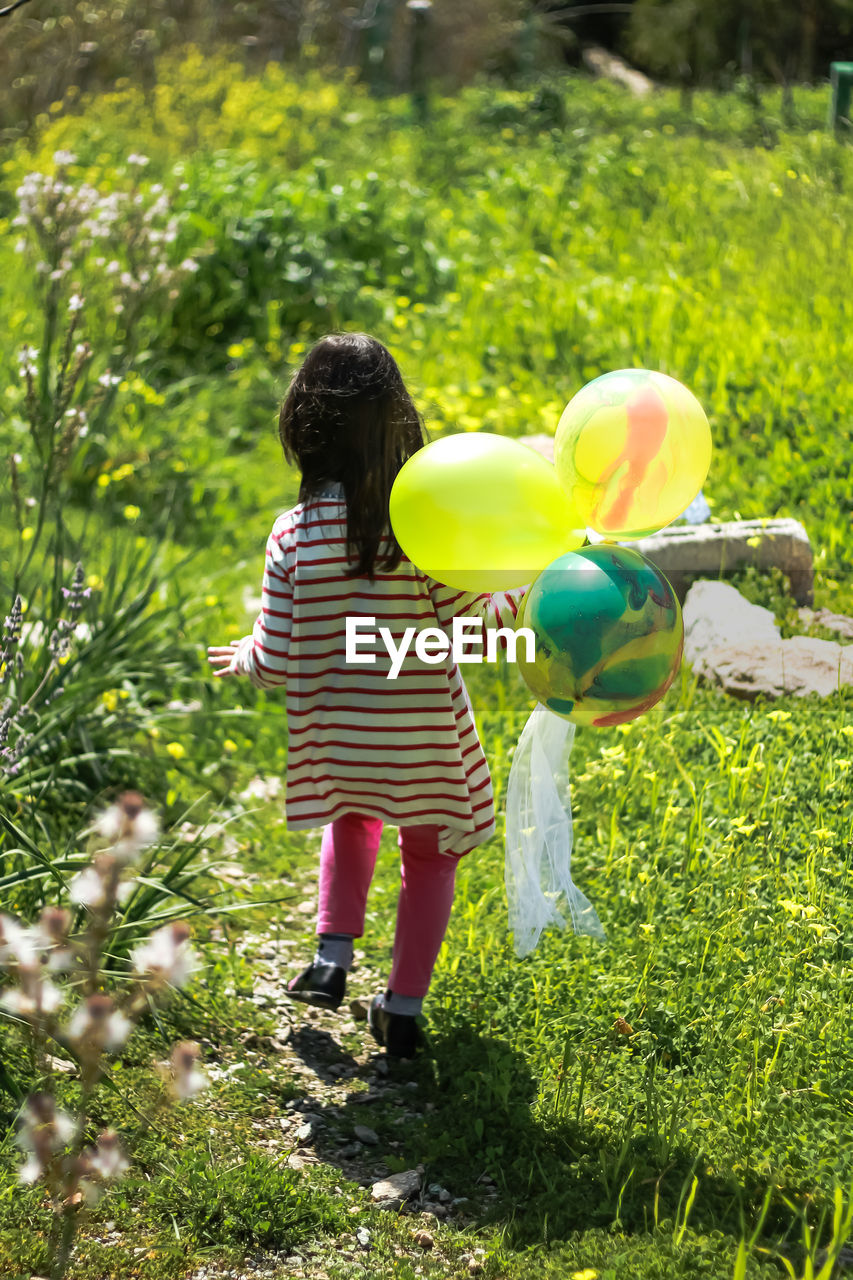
x,y
609,635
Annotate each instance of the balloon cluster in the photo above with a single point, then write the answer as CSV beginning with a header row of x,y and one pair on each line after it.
x,y
485,513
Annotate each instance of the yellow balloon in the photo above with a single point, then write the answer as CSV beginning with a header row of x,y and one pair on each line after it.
x,y
633,448
481,512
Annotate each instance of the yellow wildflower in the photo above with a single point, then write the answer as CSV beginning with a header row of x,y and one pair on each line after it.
x,y
131,512
175,750
230,745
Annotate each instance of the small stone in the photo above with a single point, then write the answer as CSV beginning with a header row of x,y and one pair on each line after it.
x,y
350,1151
305,1132
424,1239
60,1064
362,1235
398,1186
366,1135
299,1160
474,1267
838,622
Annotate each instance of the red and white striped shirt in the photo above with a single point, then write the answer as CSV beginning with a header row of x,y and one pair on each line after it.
x,y
404,750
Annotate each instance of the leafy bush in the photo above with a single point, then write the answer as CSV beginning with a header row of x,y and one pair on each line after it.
x,y
301,257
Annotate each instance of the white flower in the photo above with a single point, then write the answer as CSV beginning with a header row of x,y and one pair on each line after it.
x,y
128,825
27,357
87,889
64,157
43,1130
188,264
36,998
187,1077
18,944
166,955
98,1022
109,379
31,1170
108,1160
75,303
52,935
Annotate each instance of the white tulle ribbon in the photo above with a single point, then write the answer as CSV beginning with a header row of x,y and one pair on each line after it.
x,y
538,875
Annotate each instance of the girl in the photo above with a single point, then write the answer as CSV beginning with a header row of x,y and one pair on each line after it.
x,y
364,749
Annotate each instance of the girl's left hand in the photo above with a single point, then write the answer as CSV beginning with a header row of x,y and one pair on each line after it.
x,y
221,656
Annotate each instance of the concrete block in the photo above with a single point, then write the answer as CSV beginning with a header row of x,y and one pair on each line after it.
x,y
683,552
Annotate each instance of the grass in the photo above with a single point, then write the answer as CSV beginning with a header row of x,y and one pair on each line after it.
x,y
644,1108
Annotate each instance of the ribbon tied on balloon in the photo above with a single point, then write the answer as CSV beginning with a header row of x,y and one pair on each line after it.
x,y
481,512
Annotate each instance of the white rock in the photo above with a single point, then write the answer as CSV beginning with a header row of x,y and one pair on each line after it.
x,y
399,1186
715,614
738,646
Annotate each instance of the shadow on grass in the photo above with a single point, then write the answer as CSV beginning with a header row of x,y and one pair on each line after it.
x,y
464,1110
565,1176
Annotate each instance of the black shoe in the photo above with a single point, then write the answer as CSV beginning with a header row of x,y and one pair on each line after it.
x,y
323,985
398,1033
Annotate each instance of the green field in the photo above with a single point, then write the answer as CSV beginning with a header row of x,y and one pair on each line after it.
x,y
675,1103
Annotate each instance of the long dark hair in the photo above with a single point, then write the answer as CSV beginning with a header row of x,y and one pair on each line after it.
x,y
348,417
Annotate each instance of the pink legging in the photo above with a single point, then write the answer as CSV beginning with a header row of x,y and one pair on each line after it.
x,y
347,860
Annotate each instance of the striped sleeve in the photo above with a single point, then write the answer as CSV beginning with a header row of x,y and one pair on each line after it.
x,y
497,610
263,655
